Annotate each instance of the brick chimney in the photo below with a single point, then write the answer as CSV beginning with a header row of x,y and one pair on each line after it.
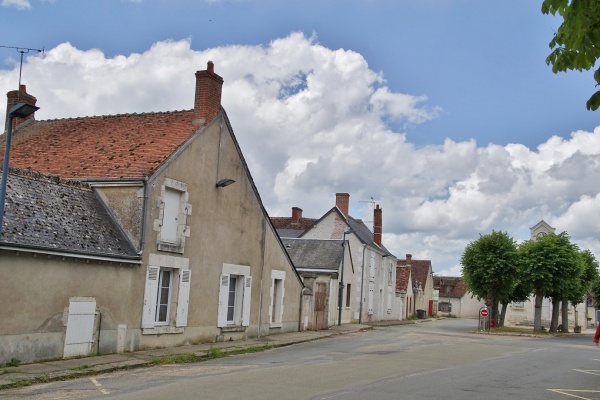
x,y
342,201
408,259
296,215
377,225
207,100
18,96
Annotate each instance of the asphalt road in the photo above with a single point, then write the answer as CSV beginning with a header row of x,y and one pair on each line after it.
x,y
431,360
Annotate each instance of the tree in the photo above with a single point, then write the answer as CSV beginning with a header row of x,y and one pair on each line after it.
x,y
584,285
576,44
490,268
551,264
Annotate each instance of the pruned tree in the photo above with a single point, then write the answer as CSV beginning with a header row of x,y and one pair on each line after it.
x,y
551,265
490,268
576,43
584,285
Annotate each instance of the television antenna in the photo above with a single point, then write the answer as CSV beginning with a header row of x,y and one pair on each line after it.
x,y
371,204
22,50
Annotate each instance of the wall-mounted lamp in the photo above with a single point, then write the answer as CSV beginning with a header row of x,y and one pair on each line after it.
x,y
20,110
224,182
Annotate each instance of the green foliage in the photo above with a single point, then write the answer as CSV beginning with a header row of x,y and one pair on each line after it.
x,y
576,44
14,362
588,276
551,265
490,266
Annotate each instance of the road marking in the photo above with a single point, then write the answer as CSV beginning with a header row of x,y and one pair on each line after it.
x,y
98,384
589,371
567,392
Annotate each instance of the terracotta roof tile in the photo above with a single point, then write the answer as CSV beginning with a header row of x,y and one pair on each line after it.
x,y
450,286
119,146
402,277
420,270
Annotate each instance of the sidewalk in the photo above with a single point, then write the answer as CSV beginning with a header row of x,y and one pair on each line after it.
x,y
27,374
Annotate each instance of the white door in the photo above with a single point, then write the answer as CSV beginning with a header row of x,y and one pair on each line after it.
x,y
80,327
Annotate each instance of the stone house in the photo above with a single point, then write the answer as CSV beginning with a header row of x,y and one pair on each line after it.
x,y
321,263
372,289
187,252
454,299
422,285
404,292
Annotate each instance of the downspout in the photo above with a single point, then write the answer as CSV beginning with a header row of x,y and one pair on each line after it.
x,y
144,216
262,271
362,286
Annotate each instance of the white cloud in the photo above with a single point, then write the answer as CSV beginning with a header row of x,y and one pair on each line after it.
x,y
311,122
18,4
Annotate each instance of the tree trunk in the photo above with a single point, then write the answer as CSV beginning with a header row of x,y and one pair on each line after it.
x,y
537,315
565,316
555,314
503,314
495,312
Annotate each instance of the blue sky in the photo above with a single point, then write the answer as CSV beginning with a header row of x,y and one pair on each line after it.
x,y
467,129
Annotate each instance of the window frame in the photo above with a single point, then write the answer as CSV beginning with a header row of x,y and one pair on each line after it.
x,y
243,296
277,295
178,295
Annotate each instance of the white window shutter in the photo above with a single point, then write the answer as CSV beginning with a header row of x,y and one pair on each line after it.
x,y
372,268
389,299
246,301
168,231
150,293
183,299
282,300
273,299
223,299
371,294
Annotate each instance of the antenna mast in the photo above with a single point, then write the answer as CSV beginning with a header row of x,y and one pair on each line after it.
x,y
22,50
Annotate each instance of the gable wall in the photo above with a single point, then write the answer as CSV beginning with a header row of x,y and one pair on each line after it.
x,y
226,226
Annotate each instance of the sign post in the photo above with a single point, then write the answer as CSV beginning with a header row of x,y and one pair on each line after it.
x,y
484,321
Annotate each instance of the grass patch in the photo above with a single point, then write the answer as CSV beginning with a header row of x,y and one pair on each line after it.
x,y
81,368
212,353
176,359
14,362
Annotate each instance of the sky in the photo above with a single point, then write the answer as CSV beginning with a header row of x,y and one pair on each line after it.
x,y
443,112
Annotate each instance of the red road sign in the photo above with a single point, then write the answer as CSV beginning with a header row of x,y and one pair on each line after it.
x,y
483,312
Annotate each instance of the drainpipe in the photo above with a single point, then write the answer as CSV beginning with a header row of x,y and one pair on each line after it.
x,y
262,271
362,285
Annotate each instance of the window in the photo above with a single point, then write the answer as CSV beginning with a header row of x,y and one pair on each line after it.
x,y
277,294
390,274
348,287
166,293
163,296
234,296
171,223
445,307
372,268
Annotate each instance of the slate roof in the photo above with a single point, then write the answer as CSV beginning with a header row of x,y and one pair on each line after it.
x,y
362,232
288,229
119,146
450,286
420,270
323,254
47,213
